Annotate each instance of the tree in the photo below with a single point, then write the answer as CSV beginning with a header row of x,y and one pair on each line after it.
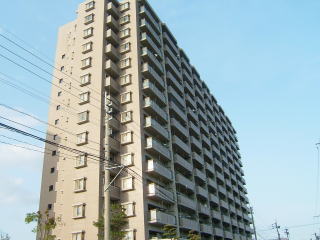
x,y
194,236
44,224
117,221
169,231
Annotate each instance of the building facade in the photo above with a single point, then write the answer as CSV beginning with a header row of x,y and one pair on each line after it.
x,y
124,89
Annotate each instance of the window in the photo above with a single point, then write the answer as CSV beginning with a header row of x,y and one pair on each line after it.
x,y
56,122
55,137
89,6
82,138
125,80
54,153
79,211
128,209
125,63
78,236
85,63
62,68
89,19
59,94
85,79
60,81
127,183
83,117
52,170
50,188
58,107
129,235
124,33
126,116
87,47
63,56
88,32
127,159
125,97
49,206
125,47
125,6
126,137
81,161
84,97
125,19
80,185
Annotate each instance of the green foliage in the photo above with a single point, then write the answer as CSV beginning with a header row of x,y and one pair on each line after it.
x,y
44,224
169,231
117,221
194,236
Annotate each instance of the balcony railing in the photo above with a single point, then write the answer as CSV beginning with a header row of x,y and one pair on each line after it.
x,y
161,218
156,128
144,12
173,68
202,192
157,169
157,148
159,193
153,108
199,174
112,69
149,56
112,52
179,127
181,145
112,85
183,163
169,41
150,73
205,228
179,112
196,143
112,9
145,25
182,180
170,54
189,224
146,40
213,198
112,23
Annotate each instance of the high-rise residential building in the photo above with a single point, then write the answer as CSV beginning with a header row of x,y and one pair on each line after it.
x,y
124,91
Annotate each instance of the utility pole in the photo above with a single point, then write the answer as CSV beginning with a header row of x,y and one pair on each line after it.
x,y
317,237
275,226
253,224
286,231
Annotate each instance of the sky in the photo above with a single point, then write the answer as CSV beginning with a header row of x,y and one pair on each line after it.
x,y
260,59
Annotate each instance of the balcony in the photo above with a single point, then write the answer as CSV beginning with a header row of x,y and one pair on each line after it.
x,y
189,224
156,129
224,204
152,108
157,149
206,152
216,215
112,85
113,10
189,89
209,167
234,222
173,68
160,218
150,73
176,83
205,228
112,103
183,163
114,145
191,101
113,123
114,193
213,198
186,64
185,182
179,128
202,115
112,69
153,91
152,59
179,113
198,158
173,46
186,76
220,176
182,147
187,202
177,96
204,127
222,190
170,54
158,193
202,192
156,169
145,26
112,23
212,183
228,235
145,13
194,128
112,52
218,232
226,219
199,174
112,37
192,113
195,142
148,42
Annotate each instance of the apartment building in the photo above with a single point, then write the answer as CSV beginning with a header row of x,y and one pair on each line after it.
x,y
124,89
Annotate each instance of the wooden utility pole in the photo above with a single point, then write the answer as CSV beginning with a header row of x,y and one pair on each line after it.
x,y
275,226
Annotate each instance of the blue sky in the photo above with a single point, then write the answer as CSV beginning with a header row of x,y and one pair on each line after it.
x,y
261,59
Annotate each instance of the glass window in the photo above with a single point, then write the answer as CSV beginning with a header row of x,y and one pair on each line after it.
x,y
80,185
124,6
56,122
128,209
127,159
83,117
129,235
124,33
78,236
85,79
87,47
125,97
125,63
126,116
79,211
88,19
82,138
59,94
81,161
88,32
127,183
125,19
126,137
84,97
89,6
85,63
125,80
125,47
